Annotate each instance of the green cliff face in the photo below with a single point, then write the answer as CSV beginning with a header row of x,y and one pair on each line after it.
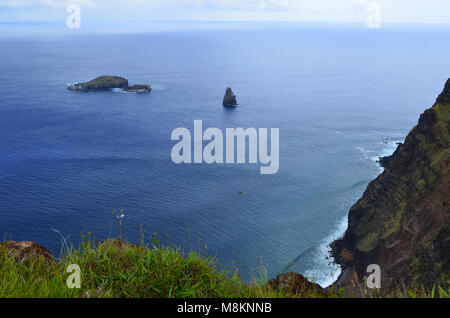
x,y
402,221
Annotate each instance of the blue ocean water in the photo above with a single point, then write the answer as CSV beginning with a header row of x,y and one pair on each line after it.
x,y
341,97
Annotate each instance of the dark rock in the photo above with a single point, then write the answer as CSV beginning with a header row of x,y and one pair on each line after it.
x,y
347,256
445,95
296,284
385,161
348,278
137,89
229,100
26,251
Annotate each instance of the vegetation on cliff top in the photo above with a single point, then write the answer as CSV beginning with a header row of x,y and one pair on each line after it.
x,y
117,269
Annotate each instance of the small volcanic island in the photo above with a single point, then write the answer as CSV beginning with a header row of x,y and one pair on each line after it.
x,y
106,82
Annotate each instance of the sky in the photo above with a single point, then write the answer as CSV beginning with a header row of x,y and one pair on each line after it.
x,y
391,11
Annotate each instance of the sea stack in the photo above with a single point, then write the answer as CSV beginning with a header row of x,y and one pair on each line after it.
x,y
229,100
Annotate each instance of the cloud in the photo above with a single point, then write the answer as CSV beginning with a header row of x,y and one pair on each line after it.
x,y
215,5
411,11
258,5
48,3
65,3
253,5
360,5
13,3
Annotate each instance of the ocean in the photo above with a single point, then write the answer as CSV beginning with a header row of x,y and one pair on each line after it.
x,y
341,95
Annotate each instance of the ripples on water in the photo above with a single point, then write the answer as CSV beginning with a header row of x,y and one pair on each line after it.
x,y
68,159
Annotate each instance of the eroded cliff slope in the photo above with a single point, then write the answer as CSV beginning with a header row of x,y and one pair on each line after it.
x,y
402,221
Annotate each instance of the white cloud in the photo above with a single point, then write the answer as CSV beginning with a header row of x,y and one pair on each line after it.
x,y
411,11
65,3
50,3
258,5
13,3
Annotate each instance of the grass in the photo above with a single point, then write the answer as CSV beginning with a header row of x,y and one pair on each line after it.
x,y
117,269
114,269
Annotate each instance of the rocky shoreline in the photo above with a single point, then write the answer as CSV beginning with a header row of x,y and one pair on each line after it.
x,y
385,161
137,89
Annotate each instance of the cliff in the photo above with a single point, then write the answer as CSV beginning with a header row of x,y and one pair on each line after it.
x,y
402,221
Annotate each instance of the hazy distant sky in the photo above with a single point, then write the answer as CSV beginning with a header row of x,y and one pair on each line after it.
x,y
409,11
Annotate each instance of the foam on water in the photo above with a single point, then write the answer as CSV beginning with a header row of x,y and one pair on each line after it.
x,y
327,277
332,270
